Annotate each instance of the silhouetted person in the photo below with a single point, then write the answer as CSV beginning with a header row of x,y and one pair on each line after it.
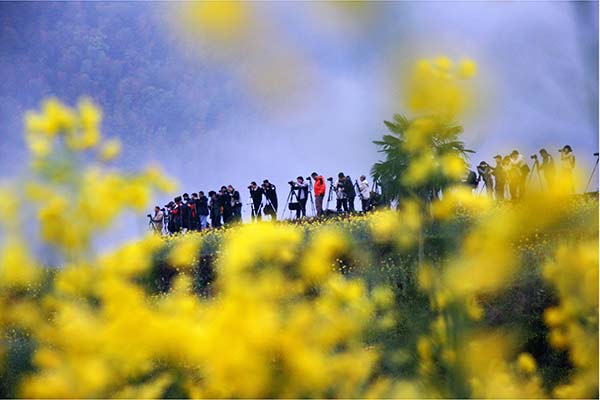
x,y
302,195
236,204
547,168
225,203
319,189
202,209
350,192
185,212
485,175
365,193
340,193
499,173
194,220
567,159
271,196
256,194
215,209
517,175
157,220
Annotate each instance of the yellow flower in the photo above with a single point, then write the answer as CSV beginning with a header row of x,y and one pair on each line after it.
x,y
185,251
110,149
558,339
325,246
526,363
9,205
467,68
426,277
58,118
553,316
384,226
39,146
220,20
453,166
443,63
383,296
17,268
90,116
435,87
474,309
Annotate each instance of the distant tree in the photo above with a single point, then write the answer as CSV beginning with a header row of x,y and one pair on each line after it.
x,y
439,142
391,172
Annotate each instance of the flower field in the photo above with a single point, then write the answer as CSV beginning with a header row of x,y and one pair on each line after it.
x,y
453,297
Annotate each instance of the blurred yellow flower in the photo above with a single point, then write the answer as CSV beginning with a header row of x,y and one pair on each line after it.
x,y
17,268
110,149
185,251
526,363
467,68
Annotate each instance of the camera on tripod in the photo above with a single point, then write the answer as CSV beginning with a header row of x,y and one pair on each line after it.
x,y
330,179
308,178
534,157
291,183
148,215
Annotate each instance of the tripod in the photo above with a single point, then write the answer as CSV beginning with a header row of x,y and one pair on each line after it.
x,y
271,210
536,169
152,225
254,213
375,187
166,218
329,194
375,197
290,200
592,174
481,189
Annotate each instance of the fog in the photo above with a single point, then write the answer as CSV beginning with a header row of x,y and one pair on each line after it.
x,y
308,93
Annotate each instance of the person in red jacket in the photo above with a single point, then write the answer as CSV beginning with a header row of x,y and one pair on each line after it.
x,y
319,191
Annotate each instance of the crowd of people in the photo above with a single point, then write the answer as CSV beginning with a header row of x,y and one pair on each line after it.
x,y
198,211
506,180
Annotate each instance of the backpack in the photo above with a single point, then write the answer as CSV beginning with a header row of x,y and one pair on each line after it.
x,y
472,179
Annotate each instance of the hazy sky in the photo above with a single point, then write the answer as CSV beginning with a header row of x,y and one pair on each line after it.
x,y
309,92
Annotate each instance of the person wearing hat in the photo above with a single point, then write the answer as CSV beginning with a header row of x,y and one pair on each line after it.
x,y
567,159
499,173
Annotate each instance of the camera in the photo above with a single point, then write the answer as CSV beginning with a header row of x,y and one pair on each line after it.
x,y
596,154
308,178
534,157
148,215
330,179
291,183
250,187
